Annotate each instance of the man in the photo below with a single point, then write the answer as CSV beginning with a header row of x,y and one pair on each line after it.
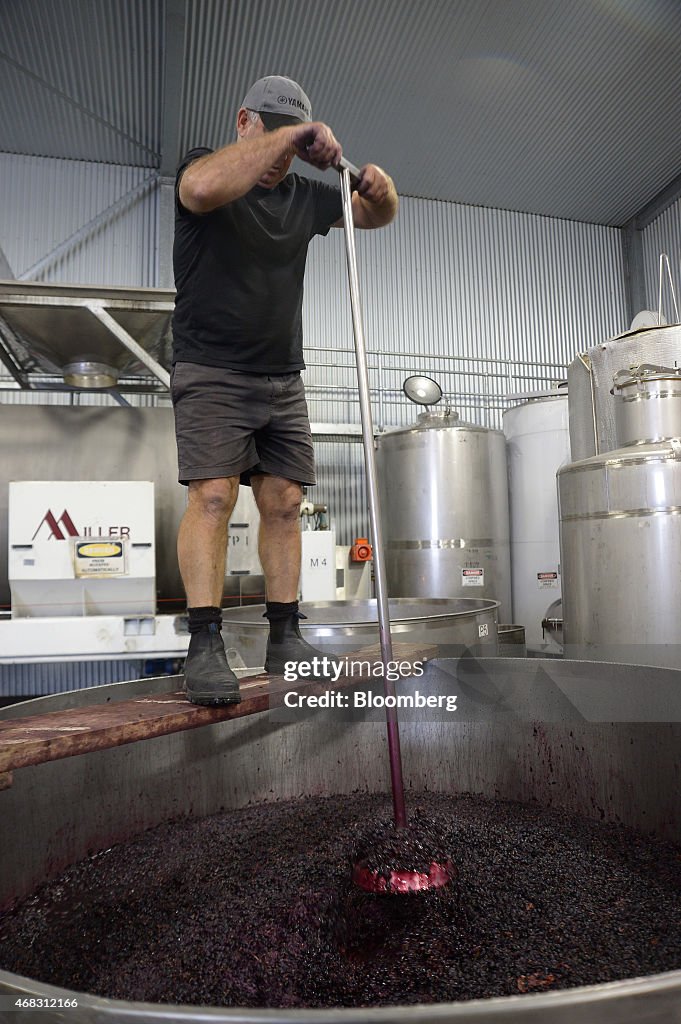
x,y
242,228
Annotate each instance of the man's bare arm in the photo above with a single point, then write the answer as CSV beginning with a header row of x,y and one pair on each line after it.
x,y
231,172
375,202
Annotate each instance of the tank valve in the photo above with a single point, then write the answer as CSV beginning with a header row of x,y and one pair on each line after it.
x,y
309,508
361,550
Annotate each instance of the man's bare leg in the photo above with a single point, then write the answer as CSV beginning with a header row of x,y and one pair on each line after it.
x,y
279,544
279,547
202,539
202,552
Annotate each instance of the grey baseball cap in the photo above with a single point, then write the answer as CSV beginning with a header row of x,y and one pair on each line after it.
x,y
279,101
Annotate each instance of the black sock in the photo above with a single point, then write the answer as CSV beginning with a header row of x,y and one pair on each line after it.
x,y
280,614
201,618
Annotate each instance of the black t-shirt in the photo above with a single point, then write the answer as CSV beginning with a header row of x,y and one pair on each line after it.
x,y
239,274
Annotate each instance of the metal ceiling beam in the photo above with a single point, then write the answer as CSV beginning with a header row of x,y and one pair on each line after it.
x,y
632,245
658,204
165,277
76,105
6,272
634,274
173,78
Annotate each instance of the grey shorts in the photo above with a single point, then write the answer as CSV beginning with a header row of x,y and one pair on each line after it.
x,y
229,423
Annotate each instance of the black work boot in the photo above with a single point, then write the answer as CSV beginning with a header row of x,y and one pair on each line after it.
x,y
208,679
286,648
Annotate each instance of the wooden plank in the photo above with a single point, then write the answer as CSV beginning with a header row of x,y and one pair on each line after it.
x,y
57,734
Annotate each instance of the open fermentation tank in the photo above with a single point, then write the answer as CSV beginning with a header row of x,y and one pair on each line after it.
x,y
340,627
539,747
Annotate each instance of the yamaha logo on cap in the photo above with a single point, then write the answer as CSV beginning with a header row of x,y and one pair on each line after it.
x,y
279,95
291,101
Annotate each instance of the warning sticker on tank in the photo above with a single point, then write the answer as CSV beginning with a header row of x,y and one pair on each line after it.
x,y
100,558
547,580
472,577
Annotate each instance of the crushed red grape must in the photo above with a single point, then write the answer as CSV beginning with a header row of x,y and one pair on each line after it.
x,y
392,860
255,908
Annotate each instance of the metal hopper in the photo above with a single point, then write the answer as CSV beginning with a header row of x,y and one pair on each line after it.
x,y
91,336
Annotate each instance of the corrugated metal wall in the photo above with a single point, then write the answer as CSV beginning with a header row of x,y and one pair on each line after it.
x,y
36,679
46,201
487,301
497,301
663,236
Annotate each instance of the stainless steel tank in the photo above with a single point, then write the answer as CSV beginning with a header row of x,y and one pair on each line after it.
x,y
590,379
538,444
647,404
339,627
621,554
444,501
542,748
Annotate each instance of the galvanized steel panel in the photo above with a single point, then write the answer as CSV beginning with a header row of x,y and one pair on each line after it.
x,y
82,80
40,678
341,486
47,201
663,236
487,301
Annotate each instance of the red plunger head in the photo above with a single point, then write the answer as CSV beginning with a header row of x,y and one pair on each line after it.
x,y
390,860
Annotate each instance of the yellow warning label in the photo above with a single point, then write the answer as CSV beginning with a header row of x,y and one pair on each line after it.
x,y
99,550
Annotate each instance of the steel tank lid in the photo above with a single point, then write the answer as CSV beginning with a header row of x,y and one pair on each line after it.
x,y
632,455
525,398
448,419
639,376
364,612
649,331
536,400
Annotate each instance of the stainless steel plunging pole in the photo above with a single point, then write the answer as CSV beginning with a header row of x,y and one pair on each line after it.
x,y
346,170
